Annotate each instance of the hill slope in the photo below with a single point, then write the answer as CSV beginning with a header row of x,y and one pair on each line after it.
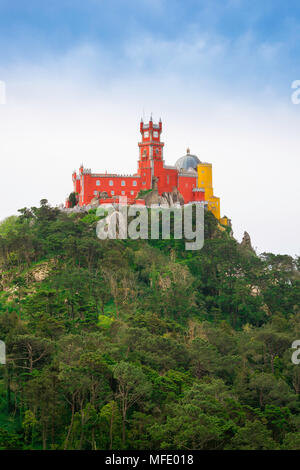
x,y
141,344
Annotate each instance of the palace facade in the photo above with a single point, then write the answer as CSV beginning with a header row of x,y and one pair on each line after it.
x,y
189,176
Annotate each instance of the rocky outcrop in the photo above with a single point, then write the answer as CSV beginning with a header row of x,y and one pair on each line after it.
x,y
177,197
95,202
169,199
42,271
246,242
151,198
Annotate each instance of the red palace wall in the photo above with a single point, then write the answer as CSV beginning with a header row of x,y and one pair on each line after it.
x,y
92,185
186,184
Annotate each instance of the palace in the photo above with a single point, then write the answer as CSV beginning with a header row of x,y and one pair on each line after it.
x,y
190,177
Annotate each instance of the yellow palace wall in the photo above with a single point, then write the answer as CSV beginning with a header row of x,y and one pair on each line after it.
x,y
205,181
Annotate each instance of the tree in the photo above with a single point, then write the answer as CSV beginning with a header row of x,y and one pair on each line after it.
x,y
253,436
275,343
268,390
110,425
10,441
291,441
132,388
27,351
201,420
72,199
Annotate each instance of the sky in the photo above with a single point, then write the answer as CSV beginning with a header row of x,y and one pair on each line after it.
x,y
79,76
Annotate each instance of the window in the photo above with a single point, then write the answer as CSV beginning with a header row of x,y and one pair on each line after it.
x,y
168,179
132,193
112,193
144,182
133,183
98,183
122,192
146,134
122,183
95,193
111,183
155,134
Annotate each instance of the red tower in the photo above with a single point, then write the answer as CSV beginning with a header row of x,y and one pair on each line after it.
x,y
150,151
151,147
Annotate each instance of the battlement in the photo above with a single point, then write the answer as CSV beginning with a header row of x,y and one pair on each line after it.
x,y
150,125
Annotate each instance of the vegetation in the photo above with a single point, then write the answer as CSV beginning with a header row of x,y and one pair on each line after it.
x,y
72,199
123,344
143,192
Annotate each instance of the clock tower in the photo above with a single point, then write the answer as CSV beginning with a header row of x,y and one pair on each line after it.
x,y
151,162
150,148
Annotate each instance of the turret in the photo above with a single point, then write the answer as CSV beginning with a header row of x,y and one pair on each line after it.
x,y
151,146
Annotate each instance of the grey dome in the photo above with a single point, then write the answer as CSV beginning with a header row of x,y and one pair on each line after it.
x,y
187,161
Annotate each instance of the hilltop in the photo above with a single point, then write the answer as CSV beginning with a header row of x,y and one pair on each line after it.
x,y
141,344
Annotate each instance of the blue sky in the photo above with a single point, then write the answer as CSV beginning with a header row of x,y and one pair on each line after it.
x,y
258,41
79,74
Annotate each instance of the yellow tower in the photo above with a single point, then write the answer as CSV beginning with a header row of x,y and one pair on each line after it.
x,y
205,181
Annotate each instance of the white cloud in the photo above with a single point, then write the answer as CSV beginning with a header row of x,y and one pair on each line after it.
x,y
76,108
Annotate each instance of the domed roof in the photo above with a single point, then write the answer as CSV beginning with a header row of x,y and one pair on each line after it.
x,y
187,161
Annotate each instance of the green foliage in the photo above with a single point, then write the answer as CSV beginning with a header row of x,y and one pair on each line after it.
x,y
104,321
141,344
253,436
143,192
72,199
10,441
9,226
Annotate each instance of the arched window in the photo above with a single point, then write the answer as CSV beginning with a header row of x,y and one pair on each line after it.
x,y
123,183
98,183
111,183
134,183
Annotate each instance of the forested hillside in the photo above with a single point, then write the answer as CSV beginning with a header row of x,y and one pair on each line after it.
x,y
123,344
